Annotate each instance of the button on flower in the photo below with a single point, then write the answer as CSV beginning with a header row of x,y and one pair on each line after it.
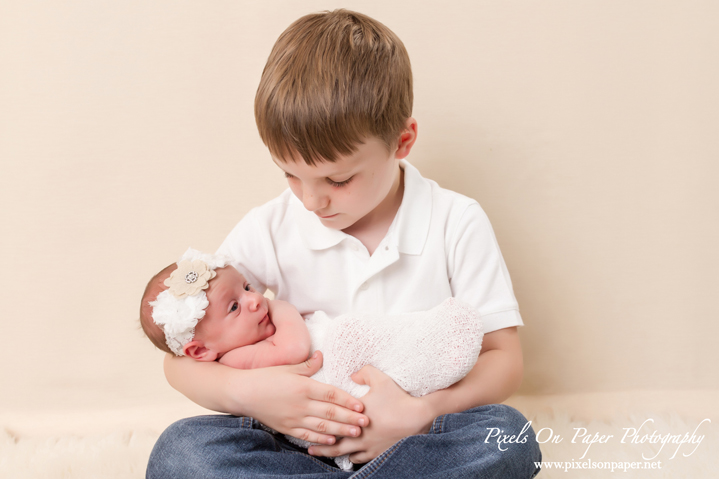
x,y
189,278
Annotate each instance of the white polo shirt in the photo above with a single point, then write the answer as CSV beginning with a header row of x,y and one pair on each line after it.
x,y
440,244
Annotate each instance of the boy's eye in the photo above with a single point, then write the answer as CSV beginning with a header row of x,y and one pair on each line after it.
x,y
288,176
339,184
234,307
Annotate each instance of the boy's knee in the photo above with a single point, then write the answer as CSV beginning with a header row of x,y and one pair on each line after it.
x,y
173,451
180,450
516,437
510,417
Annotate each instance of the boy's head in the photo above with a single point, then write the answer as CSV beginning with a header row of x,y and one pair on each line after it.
x,y
332,81
202,308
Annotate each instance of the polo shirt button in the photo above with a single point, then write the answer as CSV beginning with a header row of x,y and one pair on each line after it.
x,y
364,287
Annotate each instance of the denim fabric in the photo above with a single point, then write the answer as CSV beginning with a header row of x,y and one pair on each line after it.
x,y
223,447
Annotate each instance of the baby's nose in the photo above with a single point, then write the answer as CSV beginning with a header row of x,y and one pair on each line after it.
x,y
254,300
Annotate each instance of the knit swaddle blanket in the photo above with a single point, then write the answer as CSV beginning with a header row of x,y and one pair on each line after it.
x,y
422,352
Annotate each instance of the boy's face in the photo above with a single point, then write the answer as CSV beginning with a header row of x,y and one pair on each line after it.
x,y
344,192
237,315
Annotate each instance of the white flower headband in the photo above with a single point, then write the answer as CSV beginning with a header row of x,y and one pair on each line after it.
x,y
178,309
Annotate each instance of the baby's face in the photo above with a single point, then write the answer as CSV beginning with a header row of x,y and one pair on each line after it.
x,y
237,315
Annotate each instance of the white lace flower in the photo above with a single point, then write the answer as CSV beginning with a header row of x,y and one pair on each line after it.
x,y
178,317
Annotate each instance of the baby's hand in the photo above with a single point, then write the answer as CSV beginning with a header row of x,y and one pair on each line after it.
x,y
290,343
291,340
282,312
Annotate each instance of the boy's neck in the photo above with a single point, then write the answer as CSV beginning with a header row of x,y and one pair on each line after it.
x,y
372,229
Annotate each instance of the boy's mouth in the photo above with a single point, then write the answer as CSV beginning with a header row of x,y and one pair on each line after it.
x,y
328,216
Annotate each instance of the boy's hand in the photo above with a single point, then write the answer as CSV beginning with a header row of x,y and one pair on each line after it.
x,y
287,400
394,414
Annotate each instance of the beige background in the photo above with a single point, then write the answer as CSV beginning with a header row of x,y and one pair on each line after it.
x,y
587,131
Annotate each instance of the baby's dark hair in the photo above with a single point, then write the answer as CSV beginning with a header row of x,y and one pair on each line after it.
x,y
154,287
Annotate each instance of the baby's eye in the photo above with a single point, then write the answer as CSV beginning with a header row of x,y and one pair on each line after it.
x,y
248,287
339,184
234,307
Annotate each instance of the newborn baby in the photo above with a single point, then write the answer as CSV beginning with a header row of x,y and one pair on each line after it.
x,y
203,308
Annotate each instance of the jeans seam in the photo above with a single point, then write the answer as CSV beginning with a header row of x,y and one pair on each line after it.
x,y
437,424
369,469
244,422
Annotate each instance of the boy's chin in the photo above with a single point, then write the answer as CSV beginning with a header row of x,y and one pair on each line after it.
x,y
332,221
339,222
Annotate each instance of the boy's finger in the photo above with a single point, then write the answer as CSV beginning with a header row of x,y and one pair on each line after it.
x,y
312,436
331,412
308,367
363,376
331,394
360,458
336,426
345,446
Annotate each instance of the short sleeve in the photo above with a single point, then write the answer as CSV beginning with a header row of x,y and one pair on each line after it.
x,y
477,272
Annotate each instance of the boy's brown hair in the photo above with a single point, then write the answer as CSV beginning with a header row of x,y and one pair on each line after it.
x,y
332,80
154,287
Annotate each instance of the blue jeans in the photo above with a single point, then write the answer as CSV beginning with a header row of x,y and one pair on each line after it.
x,y
457,446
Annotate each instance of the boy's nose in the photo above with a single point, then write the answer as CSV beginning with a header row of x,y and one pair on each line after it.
x,y
313,201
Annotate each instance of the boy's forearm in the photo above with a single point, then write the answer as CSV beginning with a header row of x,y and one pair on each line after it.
x,y
204,383
495,377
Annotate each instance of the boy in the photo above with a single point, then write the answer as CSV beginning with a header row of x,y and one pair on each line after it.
x,y
334,108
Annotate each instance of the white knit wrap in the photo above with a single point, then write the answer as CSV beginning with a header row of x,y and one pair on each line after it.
x,y
422,352
178,317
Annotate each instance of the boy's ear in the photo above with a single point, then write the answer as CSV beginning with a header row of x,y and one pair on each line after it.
x,y
196,350
406,139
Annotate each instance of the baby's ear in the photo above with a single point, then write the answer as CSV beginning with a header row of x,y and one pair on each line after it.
x,y
197,351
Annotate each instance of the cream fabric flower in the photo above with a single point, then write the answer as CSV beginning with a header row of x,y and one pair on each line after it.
x,y
189,278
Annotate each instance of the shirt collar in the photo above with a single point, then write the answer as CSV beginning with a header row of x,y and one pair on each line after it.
x,y
314,234
408,231
411,225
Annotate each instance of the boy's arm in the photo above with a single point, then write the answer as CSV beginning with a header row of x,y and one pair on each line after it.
x,y
496,376
282,397
289,345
